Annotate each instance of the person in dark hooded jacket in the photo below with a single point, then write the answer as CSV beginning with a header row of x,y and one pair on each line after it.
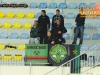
x,y
57,32
79,30
49,39
57,17
44,23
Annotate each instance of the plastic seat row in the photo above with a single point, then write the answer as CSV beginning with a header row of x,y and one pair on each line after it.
x,y
92,48
7,57
14,35
16,25
31,15
18,15
87,26
86,36
62,5
12,47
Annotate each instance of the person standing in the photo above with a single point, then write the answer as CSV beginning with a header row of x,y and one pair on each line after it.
x,y
44,23
35,34
57,32
57,17
79,30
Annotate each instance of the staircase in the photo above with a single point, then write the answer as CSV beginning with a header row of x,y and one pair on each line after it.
x,y
86,65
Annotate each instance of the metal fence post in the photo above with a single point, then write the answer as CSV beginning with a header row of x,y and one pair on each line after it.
x,y
30,68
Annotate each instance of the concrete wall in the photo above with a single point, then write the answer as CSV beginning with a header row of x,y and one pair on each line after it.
x,y
41,70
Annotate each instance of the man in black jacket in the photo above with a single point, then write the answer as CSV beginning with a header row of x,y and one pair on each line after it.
x,y
57,17
44,23
79,30
57,32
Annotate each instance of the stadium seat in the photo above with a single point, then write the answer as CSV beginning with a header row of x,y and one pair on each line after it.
x,y
3,35
96,37
0,25
82,5
92,5
17,25
72,6
23,3
68,26
27,25
14,35
43,5
8,48
10,15
3,3
70,16
73,37
13,3
66,36
21,47
2,46
62,14
97,26
7,25
94,47
30,15
24,36
50,15
20,15
88,26
18,57
91,59
38,15
53,5
86,36
0,57
62,6
84,47
7,57
1,14
33,5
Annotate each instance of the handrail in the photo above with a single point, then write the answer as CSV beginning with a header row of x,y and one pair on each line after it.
x,y
72,59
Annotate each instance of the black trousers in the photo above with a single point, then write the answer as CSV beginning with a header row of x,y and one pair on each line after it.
x,y
43,34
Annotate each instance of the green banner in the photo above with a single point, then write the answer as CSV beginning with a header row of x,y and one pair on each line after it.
x,y
75,64
58,54
36,53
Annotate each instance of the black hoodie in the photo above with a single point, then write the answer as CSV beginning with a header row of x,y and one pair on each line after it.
x,y
44,22
57,17
80,21
56,29
48,40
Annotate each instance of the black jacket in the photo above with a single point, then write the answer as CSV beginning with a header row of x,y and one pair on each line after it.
x,y
35,32
57,17
44,22
48,40
56,29
80,21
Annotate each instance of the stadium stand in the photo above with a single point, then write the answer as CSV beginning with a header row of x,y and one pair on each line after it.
x,y
53,5
10,15
1,14
17,25
20,15
30,15
27,25
33,5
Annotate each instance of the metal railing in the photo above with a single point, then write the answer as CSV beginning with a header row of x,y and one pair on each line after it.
x,y
85,61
